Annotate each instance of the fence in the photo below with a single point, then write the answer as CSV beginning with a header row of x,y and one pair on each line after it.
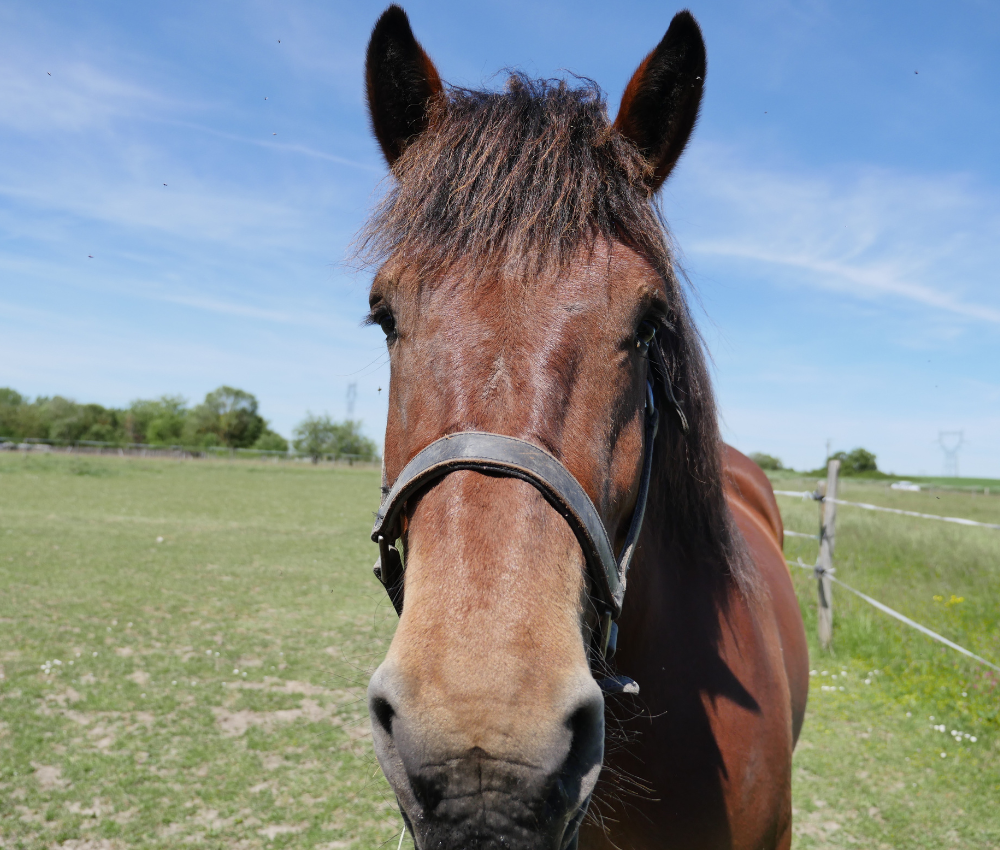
x,y
94,447
824,570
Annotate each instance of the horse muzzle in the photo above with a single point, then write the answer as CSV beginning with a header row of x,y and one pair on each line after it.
x,y
530,794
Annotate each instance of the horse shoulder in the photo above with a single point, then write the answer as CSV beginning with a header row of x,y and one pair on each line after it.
x,y
752,503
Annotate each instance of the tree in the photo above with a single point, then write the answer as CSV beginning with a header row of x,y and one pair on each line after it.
x,y
71,422
765,461
855,461
350,442
315,435
57,418
11,398
157,421
228,416
12,404
320,435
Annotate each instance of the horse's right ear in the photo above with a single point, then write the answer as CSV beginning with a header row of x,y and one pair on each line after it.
x,y
400,80
660,105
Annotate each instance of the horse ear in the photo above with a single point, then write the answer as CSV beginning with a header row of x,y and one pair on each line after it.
x,y
660,105
400,80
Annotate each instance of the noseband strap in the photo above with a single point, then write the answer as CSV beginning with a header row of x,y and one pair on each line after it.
x,y
509,457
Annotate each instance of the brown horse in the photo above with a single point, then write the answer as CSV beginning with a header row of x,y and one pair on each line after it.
x,y
524,278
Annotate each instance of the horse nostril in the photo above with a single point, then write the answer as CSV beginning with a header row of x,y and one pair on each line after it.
x,y
587,725
586,750
382,712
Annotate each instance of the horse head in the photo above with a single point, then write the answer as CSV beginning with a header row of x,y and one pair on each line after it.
x,y
523,272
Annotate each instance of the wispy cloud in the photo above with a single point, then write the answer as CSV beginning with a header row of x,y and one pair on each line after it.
x,y
194,211
281,147
860,280
875,235
69,97
245,310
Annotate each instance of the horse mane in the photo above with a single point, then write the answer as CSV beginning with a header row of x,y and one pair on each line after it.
x,y
522,179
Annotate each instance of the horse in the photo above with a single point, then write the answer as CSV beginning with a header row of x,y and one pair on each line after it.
x,y
552,439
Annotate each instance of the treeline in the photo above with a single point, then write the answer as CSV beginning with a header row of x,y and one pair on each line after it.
x,y
858,461
228,417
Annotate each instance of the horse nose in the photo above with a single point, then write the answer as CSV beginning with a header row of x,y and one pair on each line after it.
x,y
482,776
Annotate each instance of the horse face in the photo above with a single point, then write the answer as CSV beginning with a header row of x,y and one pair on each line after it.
x,y
486,717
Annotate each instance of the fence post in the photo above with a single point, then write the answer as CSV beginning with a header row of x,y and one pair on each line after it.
x,y
824,562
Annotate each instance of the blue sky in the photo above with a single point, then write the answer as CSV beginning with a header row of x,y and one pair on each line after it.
x,y
838,210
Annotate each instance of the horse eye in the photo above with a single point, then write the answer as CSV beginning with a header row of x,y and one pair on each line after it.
x,y
388,325
644,336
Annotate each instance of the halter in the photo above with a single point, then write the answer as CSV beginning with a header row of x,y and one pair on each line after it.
x,y
510,457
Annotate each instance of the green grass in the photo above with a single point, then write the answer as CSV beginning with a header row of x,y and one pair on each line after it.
x,y
269,566
868,769
144,736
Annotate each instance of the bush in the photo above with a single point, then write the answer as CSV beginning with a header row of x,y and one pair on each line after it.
x,y
765,461
271,441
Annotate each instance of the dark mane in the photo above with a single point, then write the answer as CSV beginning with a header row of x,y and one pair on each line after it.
x,y
522,179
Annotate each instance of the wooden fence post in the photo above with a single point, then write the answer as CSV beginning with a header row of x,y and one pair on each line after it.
x,y
824,562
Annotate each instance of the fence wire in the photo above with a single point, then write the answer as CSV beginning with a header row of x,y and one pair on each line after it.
x,y
805,494
901,617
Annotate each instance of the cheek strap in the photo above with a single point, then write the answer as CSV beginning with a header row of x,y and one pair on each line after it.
x,y
511,457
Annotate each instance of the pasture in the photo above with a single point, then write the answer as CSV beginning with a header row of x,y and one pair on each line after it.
x,y
215,622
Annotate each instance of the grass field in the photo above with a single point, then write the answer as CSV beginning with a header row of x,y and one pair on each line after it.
x,y
870,769
132,591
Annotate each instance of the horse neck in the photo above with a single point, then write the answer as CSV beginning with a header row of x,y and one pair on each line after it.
x,y
684,560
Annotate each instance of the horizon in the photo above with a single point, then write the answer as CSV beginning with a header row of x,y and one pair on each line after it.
x,y
180,185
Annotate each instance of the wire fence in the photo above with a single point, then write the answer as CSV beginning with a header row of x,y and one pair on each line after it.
x,y
36,445
805,494
901,617
824,571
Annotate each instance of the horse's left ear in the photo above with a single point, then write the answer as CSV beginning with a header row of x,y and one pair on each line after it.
x,y
660,105
400,80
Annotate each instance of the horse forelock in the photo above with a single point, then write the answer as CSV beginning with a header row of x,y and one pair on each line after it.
x,y
515,179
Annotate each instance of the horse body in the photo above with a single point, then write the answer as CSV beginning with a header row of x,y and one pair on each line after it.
x,y
523,273
705,758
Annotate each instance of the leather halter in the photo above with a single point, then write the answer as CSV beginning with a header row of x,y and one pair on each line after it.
x,y
496,454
